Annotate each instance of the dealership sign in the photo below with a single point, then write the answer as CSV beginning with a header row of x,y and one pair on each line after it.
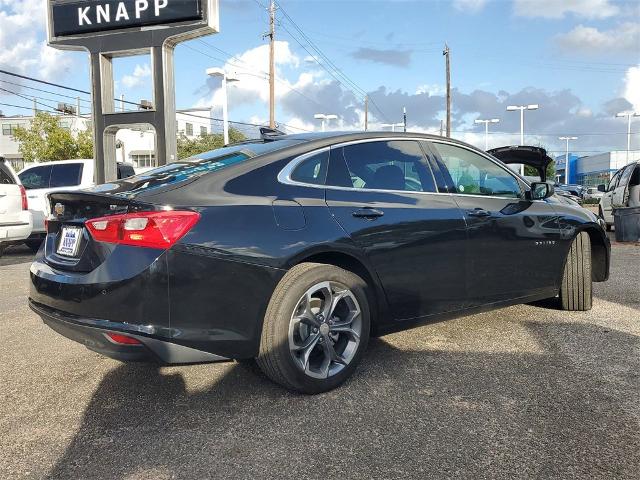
x,y
86,16
108,29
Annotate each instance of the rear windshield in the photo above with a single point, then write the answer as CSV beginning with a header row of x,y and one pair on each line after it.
x,y
191,168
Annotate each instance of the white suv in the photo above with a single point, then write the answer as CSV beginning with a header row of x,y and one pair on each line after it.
x,y
47,177
15,218
622,191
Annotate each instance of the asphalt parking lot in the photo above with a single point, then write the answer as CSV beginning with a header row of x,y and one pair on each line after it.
x,y
524,392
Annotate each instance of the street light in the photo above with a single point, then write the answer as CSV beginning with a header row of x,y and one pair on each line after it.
x,y
325,118
567,171
392,125
486,129
226,77
522,108
628,115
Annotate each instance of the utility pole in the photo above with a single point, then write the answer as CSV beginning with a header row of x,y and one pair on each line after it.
x,y
447,55
35,107
272,65
441,126
366,113
404,117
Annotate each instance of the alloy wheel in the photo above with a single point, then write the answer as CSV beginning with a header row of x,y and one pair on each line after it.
x,y
325,329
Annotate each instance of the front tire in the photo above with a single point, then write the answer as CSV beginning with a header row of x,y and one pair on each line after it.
x,y
316,328
576,289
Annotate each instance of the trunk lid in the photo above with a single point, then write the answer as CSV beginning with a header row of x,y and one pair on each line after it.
x,y
68,245
535,157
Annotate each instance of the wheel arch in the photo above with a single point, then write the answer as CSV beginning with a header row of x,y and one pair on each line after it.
x,y
348,261
599,254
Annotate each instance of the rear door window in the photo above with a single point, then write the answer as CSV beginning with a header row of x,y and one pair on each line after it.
x,y
66,175
36,177
397,165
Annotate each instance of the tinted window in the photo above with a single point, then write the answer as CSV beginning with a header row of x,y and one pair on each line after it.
x,y
36,177
391,165
473,174
312,170
66,175
5,176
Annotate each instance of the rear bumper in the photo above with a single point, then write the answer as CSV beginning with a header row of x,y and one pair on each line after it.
x,y
92,334
18,230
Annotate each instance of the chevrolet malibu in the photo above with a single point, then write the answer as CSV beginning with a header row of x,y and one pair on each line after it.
x,y
293,250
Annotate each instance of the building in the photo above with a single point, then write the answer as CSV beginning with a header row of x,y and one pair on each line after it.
x,y
10,149
593,170
133,145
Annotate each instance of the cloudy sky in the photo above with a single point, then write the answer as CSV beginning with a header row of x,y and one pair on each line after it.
x,y
578,59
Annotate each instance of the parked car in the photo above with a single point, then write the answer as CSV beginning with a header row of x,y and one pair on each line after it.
x,y
622,191
592,193
294,249
15,219
47,177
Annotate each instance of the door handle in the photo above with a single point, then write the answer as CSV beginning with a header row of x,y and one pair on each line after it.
x,y
368,212
478,212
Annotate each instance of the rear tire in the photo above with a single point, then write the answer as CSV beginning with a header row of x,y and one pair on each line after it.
x,y
576,289
316,328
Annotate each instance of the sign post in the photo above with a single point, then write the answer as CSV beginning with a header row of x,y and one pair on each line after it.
x,y
108,29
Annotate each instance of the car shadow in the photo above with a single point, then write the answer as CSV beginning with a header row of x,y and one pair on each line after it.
x,y
559,410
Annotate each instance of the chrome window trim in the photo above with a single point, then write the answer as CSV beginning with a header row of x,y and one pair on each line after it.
x,y
284,176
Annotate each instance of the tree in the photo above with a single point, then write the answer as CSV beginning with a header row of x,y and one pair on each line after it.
x,y
45,140
188,147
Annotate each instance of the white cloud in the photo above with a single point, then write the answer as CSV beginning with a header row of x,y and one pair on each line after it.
x,y
469,6
22,48
561,8
632,87
431,89
624,37
251,69
138,77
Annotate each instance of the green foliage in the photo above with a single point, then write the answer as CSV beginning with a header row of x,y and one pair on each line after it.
x,y
551,171
45,140
189,147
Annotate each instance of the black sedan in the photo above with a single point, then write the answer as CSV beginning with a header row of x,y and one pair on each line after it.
x,y
294,249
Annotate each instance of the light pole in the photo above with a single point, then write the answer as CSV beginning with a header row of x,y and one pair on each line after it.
x,y
226,77
324,118
628,115
566,158
486,129
392,125
522,108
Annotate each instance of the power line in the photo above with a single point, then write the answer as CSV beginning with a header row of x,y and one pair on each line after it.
x,y
354,86
44,91
44,82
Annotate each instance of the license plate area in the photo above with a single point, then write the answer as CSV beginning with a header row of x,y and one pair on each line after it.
x,y
69,244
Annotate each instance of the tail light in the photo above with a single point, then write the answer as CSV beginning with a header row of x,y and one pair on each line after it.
x,y
143,229
23,195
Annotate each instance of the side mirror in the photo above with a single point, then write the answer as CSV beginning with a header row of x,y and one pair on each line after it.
x,y
540,191
602,188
